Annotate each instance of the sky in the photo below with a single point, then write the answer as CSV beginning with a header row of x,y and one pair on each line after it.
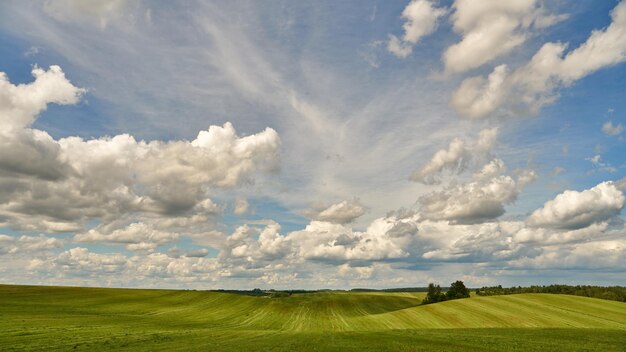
x,y
312,144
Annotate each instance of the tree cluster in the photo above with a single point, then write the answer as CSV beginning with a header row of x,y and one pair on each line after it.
x,y
613,293
435,293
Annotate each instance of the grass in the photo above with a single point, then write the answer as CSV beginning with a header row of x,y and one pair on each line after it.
x,y
96,319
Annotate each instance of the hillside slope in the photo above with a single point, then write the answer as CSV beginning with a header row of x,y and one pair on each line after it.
x,y
95,318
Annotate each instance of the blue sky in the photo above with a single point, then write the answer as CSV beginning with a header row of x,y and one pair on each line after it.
x,y
312,144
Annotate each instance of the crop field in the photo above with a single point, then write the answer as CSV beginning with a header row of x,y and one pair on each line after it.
x,y
98,319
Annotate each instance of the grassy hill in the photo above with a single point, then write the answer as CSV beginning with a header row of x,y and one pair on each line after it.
x,y
94,319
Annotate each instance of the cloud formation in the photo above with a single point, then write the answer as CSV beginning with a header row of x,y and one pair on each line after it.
x,y
528,88
483,198
421,20
574,210
259,252
136,236
343,212
491,29
457,157
213,211
26,244
59,185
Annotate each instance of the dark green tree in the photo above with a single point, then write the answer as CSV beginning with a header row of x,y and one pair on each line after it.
x,y
457,290
434,294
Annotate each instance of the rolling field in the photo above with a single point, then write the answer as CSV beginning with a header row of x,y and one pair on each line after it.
x,y
94,319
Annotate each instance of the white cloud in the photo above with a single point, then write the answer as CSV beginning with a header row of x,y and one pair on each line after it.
x,y
341,213
620,184
399,48
241,246
479,243
360,272
175,252
528,88
452,158
83,262
136,236
421,20
544,236
20,104
482,198
88,267
385,238
586,256
490,29
20,244
457,157
477,97
59,185
259,252
612,130
320,241
574,210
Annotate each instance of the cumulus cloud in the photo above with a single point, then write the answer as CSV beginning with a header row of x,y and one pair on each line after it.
x,y
118,269
543,236
575,210
20,244
586,256
612,130
385,238
20,104
457,157
480,199
421,20
477,97
254,246
136,236
391,239
324,248
176,252
490,29
620,184
528,88
341,213
320,241
59,185
260,252
483,197
485,242
359,272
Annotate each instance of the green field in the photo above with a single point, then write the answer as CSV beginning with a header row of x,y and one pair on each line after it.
x,y
94,319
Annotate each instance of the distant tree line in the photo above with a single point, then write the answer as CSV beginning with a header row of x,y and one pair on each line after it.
x,y
255,292
435,294
285,293
267,293
613,293
399,289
